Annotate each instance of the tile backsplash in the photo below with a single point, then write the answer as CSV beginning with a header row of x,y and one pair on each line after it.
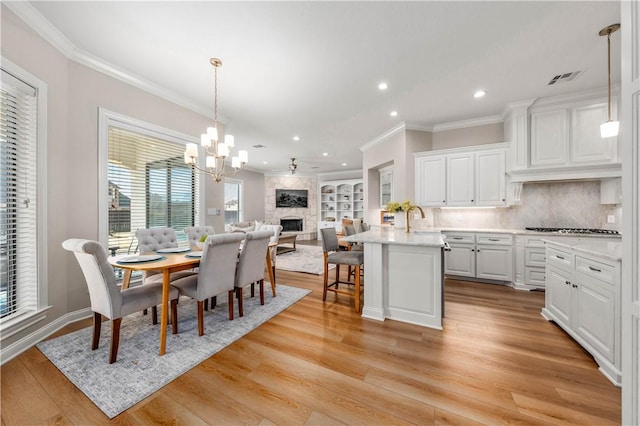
x,y
557,204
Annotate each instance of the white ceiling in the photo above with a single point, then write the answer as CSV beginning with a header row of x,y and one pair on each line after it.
x,y
312,68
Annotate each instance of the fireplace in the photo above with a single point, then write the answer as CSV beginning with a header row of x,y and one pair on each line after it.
x,y
291,225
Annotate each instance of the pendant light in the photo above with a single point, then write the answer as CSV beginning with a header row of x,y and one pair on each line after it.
x,y
610,128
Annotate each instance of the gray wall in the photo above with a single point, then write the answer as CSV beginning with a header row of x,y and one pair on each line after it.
x,y
75,94
469,136
254,195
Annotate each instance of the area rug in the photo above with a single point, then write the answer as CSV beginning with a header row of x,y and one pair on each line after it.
x,y
140,370
307,259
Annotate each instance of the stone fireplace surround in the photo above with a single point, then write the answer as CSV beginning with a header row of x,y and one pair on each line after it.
x,y
308,215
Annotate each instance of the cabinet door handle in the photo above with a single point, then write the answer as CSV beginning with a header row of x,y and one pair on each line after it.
x,y
472,201
504,199
444,201
574,285
478,250
472,250
595,269
494,239
559,257
567,282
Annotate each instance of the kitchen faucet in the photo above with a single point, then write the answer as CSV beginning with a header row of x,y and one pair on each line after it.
x,y
409,211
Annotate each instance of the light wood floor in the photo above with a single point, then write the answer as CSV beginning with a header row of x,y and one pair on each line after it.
x,y
496,362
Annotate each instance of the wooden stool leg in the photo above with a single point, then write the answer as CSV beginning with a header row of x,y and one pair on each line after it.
x,y
357,292
326,278
262,291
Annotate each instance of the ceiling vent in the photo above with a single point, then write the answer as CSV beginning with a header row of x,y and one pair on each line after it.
x,y
258,146
563,78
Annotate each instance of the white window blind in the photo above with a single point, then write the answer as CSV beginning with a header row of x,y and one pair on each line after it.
x,y
18,197
149,186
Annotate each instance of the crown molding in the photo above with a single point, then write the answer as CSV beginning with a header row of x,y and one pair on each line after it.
x,y
51,34
481,121
398,128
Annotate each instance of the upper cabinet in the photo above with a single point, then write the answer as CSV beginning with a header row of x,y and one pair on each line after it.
x,y
386,185
461,177
559,138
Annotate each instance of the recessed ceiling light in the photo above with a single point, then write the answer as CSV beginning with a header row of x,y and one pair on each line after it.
x,y
393,113
344,164
264,162
383,86
325,153
296,138
479,94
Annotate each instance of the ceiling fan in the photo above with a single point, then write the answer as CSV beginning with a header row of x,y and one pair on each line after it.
x,y
293,166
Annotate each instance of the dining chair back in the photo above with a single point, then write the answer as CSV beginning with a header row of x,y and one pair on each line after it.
x,y
195,233
216,273
152,239
251,264
106,298
332,255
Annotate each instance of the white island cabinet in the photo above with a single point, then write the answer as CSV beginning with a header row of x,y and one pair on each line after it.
x,y
403,276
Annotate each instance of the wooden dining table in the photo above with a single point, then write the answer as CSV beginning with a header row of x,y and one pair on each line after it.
x,y
168,264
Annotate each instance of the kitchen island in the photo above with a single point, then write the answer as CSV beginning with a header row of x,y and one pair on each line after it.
x,y
403,276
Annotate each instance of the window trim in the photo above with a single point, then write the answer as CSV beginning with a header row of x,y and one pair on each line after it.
x,y
239,182
107,118
13,325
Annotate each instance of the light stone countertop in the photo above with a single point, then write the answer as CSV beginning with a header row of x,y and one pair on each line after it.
x,y
392,236
611,250
513,232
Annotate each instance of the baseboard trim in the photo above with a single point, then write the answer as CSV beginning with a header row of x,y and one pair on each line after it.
x,y
9,352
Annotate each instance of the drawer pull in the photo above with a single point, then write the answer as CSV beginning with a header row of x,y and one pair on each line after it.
x,y
494,239
456,238
559,257
574,285
567,282
595,269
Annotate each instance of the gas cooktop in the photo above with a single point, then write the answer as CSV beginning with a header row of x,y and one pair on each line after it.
x,y
574,230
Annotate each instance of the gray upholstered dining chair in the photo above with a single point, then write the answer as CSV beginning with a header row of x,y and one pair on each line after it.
x,y
251,264
332,255
107,299
194,233
216,274
150,240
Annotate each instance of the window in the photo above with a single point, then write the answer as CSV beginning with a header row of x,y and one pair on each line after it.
x,y
233,203
22,198
148,185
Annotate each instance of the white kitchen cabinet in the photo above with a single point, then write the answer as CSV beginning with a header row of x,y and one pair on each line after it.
x,y
480,255
460,180
490,182
564,139
587,146
583,297
462,177
461,259
549,137
386,185
431,181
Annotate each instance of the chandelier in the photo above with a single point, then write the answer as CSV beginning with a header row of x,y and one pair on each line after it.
x,y
216,151
610,128
293,166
